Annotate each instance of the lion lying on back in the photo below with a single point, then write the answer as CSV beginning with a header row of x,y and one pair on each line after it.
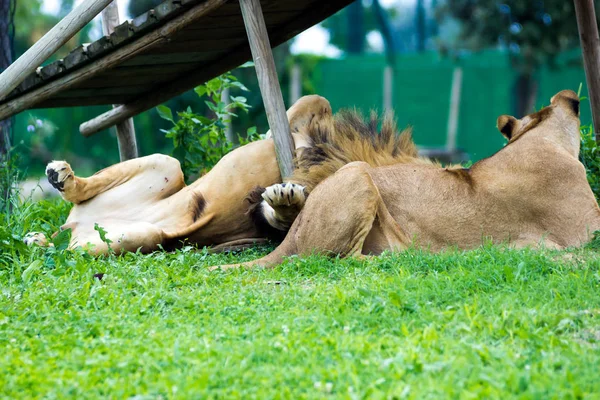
x,y
144,204
532,192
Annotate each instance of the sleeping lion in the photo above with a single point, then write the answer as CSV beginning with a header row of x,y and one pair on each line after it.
x,y
533,192
143,204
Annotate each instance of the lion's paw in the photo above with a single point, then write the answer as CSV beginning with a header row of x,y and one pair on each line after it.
x,y
285,195
59,173
36,238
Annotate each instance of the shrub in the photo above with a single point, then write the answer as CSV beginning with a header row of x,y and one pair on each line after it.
x,y
200,142
589,157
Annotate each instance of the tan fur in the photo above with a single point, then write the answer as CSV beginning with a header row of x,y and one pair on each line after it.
x,y
144,203
345,138
533,192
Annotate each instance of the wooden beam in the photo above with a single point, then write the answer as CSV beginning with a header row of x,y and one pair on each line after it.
x,y
49,44
162,94
126,129
590,45
269,84
453,114
151,39
230,60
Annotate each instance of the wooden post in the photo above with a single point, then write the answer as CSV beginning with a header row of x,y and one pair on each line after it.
x,y
388,88
48,44
455,98
295,84
269,84
226,98
590,45
126,129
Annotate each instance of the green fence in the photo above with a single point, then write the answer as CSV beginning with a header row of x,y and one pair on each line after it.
x,y
421,93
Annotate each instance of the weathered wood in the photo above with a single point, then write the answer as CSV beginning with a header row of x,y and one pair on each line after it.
x,y
295,83
233,58
204,44
455,98
114,58
269,85
388,88
48,44
162,94
75,57
52,69
171,59
126,129
590,45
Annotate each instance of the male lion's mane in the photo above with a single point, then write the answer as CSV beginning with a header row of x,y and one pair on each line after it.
x,y
349,137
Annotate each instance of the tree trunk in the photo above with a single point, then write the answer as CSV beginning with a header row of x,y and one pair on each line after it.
x,y
5,61
525,91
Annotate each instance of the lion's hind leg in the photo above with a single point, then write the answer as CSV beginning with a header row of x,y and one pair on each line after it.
x,y
336,219
156,170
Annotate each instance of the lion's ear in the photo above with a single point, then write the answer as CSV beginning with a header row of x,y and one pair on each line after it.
x,y
507,125
568,99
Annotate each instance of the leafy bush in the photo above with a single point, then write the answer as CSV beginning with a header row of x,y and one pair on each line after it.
x,y
200,142
589,156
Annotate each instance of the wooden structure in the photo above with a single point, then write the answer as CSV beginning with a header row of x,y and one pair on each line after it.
x,y
181,44
590,46
126,129
161,54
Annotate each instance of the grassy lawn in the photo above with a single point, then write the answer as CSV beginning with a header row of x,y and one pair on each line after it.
x,y
488,323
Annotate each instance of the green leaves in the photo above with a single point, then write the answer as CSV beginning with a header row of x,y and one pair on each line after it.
x,y
200,142
165,113
31,269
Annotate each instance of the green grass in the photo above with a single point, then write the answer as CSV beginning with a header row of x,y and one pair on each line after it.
x,y
489,323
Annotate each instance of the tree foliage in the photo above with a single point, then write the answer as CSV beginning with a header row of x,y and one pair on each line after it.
x,y
535,32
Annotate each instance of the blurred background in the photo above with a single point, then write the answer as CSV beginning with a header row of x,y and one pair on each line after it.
x,y
448,68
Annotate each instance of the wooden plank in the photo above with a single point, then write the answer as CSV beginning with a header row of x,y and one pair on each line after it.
x,y
110,91
226,21
49,44
170,59
590,45
123,33
142,75
143,22
55,68
88,101
77,56
111,60
202,45
126,129
162,93
269,85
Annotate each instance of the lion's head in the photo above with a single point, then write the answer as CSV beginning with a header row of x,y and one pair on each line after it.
x,y
559,122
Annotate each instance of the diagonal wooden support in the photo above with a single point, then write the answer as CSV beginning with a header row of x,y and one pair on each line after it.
x,y
126,129
269,84
48,44
590,46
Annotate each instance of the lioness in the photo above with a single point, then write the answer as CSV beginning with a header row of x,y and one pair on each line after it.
x,y
144,204
532,192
